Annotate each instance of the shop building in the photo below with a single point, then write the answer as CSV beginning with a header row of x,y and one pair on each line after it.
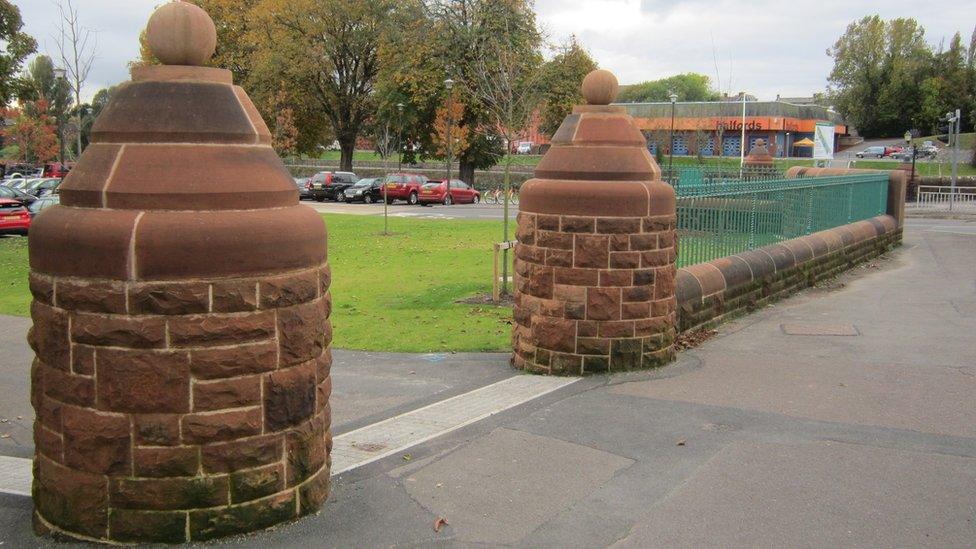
x,y
715,128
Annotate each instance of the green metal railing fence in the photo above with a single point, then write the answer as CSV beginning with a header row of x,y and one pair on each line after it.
x,y
719,218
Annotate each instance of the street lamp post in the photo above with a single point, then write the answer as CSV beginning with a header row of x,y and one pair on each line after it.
x,y
908,142
674,100
954,120
742,138
449,85
60,75
400,107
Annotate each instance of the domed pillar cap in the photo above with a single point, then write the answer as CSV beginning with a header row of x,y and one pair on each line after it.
x,y
600,87
180,33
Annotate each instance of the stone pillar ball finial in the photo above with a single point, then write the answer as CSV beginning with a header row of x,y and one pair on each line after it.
x,y
180,33
600,87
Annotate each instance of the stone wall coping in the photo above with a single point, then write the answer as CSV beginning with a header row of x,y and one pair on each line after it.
x,y
697,282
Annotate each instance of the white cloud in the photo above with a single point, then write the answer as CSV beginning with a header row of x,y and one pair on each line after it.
x,y
770,46
116,23
775,46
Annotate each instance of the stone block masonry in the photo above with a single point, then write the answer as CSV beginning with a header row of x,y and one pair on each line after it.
x,y
172,417
594,294
181,318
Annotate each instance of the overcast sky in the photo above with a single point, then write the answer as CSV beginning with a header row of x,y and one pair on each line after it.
x,y
765,47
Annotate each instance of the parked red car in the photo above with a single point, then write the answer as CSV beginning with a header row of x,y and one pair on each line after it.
x,y
57,170
435,192
14,217
895,149
403,186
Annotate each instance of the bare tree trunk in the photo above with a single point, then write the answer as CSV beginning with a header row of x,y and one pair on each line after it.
x,y
466,173
347,146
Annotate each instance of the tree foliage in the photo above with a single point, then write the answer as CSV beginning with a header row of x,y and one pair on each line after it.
x,y
460,40
331,46
448,134
688,87
345,65
34,135
563,77
15,47
887,79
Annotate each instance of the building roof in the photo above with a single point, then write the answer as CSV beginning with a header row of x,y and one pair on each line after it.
x,y
707,109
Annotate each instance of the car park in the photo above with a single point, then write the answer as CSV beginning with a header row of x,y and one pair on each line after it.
x,y
331,185
42,204
42,187
872,152
928,149
403,186
20,183
304,189
435,192
14,217
366,190
17,195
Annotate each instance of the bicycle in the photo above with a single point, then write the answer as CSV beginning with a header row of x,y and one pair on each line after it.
x,y
496,197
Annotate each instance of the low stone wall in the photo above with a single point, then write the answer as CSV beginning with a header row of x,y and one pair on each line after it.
x,y
713,292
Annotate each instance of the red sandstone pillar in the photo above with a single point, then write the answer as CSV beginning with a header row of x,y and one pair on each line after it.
x,y
759,163
595,265
181,317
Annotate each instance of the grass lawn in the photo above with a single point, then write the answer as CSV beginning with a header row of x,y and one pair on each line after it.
x,y
399,293
14,295
966,140
394,293
921,168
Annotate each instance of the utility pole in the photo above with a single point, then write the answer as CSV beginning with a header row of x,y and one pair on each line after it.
x,y
60,76
400,107
449,84
955,120
674,99
908,142
742,148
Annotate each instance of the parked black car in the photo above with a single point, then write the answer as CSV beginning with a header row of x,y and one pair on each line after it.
x,y
18,195
366,190
304,188
332,185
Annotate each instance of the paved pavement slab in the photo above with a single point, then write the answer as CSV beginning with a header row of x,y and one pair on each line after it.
x,y
756,438
500,488
775,495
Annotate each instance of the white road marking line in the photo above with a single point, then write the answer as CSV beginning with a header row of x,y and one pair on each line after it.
x,y
386,438
15,476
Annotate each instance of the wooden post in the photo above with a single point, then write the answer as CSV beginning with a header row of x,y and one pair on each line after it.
x,y
495,290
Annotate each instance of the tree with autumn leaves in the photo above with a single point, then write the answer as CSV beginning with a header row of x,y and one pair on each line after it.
x,y
345,65
33,132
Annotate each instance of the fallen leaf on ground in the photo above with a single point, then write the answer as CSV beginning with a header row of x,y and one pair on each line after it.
x,y
407,457
690,340
682,442
440,523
